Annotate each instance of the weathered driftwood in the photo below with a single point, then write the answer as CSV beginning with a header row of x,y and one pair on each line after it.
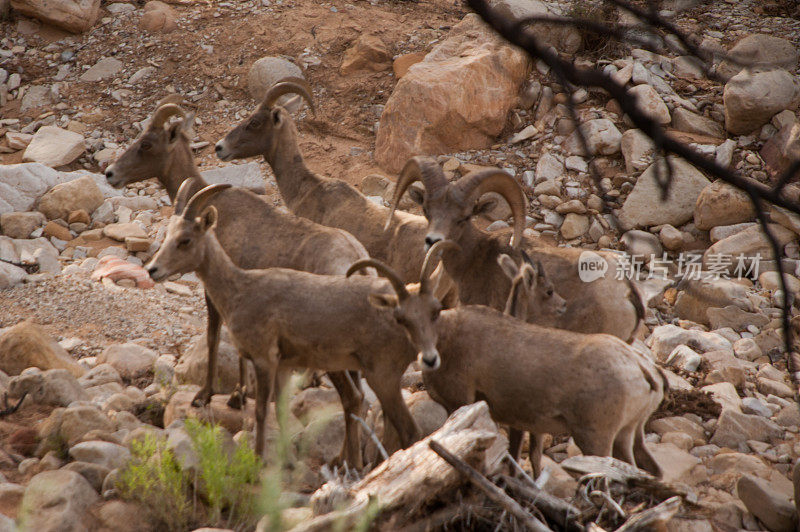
x,y
417,476
494,493
557,511
626,474
653,518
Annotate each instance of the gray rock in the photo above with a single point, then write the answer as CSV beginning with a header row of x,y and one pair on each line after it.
x,y
103,69
752,98
246,175
55,387
266,72
755,406
666,338
129,359
759,50
94,473
650,103
641,244
602,138
684,120
106,454
644,207
566,39
37,96
53,146
637,150
548,168
57,501
772,508
11,276
734,428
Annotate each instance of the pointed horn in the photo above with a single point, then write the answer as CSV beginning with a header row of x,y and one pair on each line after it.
x,y
431,258
418,168
182,196
475,184
385,271
175,98
199,200
163,113
289,85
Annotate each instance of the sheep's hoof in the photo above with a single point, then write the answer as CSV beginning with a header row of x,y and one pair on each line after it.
x,y
202,398
237,400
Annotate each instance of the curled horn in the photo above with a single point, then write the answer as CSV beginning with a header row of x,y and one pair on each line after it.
x,y
385,271
182,196
199,199
475,184
418,168
430,262
289,85
163,112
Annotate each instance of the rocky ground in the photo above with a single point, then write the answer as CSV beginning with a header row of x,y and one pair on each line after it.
x,y
118,356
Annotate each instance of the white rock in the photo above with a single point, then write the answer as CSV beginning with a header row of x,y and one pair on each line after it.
x,y
650,103
602,138
246,175
53,146
103,69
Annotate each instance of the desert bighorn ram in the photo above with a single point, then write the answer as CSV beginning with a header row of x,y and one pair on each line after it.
x,y
542,380
605,305
253,233
282,319
271,132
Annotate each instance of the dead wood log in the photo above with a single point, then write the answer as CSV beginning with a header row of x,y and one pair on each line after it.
x,y
653,518
557,511
494,493
414,477
628,475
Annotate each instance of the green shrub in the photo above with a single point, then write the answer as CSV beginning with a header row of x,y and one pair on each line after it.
x,y
226,478
154,478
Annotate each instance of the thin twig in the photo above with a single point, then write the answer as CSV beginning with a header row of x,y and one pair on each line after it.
x,y
494,493
372,435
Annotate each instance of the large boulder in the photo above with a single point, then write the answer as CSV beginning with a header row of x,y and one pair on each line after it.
x,y
246,175
666,338
67,426
734,429
79,194
266,72
722,204
369,52
564,38
72,15
748,243
650,103
193,365
771,507
55,387
102,453
27,345
57,501
644,206
700,295
602,138
782,149
11,276
129,359
752,98
759,50
21,185
456,99
21,224
53,146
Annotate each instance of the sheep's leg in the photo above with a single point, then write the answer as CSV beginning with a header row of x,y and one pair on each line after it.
x,y
593,443
515,439
352,401
238,398
203,397
644,459
623,445
265,377
394,408
535,449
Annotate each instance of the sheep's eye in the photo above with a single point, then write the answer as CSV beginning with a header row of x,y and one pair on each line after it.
x,y
549,292
145,146
254,124
435,314
183,243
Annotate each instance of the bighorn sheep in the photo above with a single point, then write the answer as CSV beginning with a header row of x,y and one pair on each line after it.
x,y
281,319
253,233
271,132
605,305
536,379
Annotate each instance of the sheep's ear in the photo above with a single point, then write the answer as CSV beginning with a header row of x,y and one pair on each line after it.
x,y
383,300
508,266
417,196
174,131
187,124
484,205
530,276
208,218
276,116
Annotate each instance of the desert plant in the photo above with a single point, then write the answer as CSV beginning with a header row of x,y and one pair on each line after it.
x,y
154,478
226,478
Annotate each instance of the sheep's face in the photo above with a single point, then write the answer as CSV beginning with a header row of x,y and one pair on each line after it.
x,y
257,135
448,214
532,293
184,246
148,156
417,315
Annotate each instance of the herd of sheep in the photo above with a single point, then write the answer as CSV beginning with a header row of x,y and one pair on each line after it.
x,y
502,318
